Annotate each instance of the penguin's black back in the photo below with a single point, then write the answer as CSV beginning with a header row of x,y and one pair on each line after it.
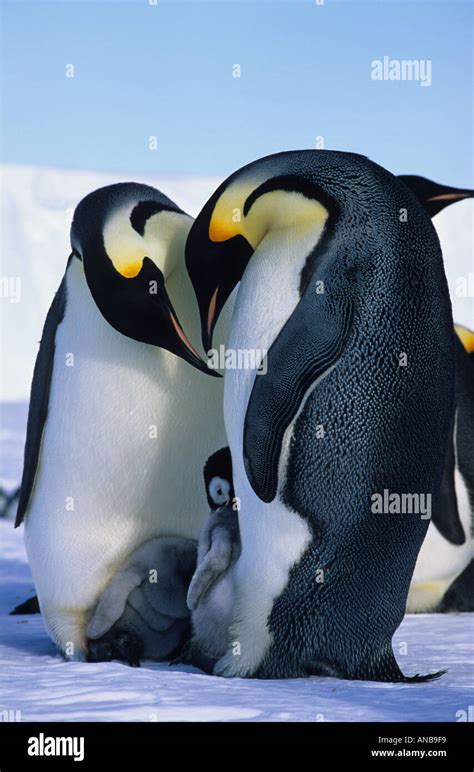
x,y
385,427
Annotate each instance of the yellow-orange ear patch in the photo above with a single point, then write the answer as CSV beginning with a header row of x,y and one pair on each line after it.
x,y
222,230
129,270
276,209
466,337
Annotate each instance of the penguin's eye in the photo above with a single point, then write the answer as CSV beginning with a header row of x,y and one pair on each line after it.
x,y
219,491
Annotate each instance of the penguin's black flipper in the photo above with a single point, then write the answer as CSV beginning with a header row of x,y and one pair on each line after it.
x,y
30,606
445,507
433,196
295,361
39,399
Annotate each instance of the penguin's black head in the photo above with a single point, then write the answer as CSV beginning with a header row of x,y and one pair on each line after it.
x,y
218,479
265,197
323,220
130,237
433,196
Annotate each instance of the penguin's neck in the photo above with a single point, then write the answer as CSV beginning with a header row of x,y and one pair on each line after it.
x,y
267,296
178,283
172,242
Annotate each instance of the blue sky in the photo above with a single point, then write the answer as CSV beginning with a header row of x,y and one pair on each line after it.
x,y
166,70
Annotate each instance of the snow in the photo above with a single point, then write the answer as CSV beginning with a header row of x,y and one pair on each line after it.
x,y
44,687
34,679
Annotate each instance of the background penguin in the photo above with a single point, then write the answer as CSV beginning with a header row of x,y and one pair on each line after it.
x,y
211,593
444,575
434,196
334,286
3,501
444,565
9,503
118,419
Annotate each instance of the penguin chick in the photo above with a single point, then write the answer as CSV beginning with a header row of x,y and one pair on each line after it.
x,y
142,613
218,478
211,592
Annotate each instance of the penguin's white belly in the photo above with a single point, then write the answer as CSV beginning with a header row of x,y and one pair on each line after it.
x,y
121,461
273,538
440,562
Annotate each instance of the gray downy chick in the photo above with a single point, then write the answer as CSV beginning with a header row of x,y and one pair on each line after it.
x,y
211,592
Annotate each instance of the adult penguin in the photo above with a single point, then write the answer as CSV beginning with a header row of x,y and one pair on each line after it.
x,y
434,196
118,421
444,574
342,282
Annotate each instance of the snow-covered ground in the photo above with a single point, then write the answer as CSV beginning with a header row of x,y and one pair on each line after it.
x,y
37,208
39,683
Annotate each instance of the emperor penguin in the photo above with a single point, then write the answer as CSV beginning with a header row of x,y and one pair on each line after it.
x,y
118,421
434,196
444,577
210,596
343,291
444,574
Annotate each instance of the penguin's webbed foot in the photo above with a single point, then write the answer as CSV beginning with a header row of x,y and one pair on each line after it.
x,y
182,656
190,654
118,645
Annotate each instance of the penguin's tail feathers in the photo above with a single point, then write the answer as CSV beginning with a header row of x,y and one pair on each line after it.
x,y
386,668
